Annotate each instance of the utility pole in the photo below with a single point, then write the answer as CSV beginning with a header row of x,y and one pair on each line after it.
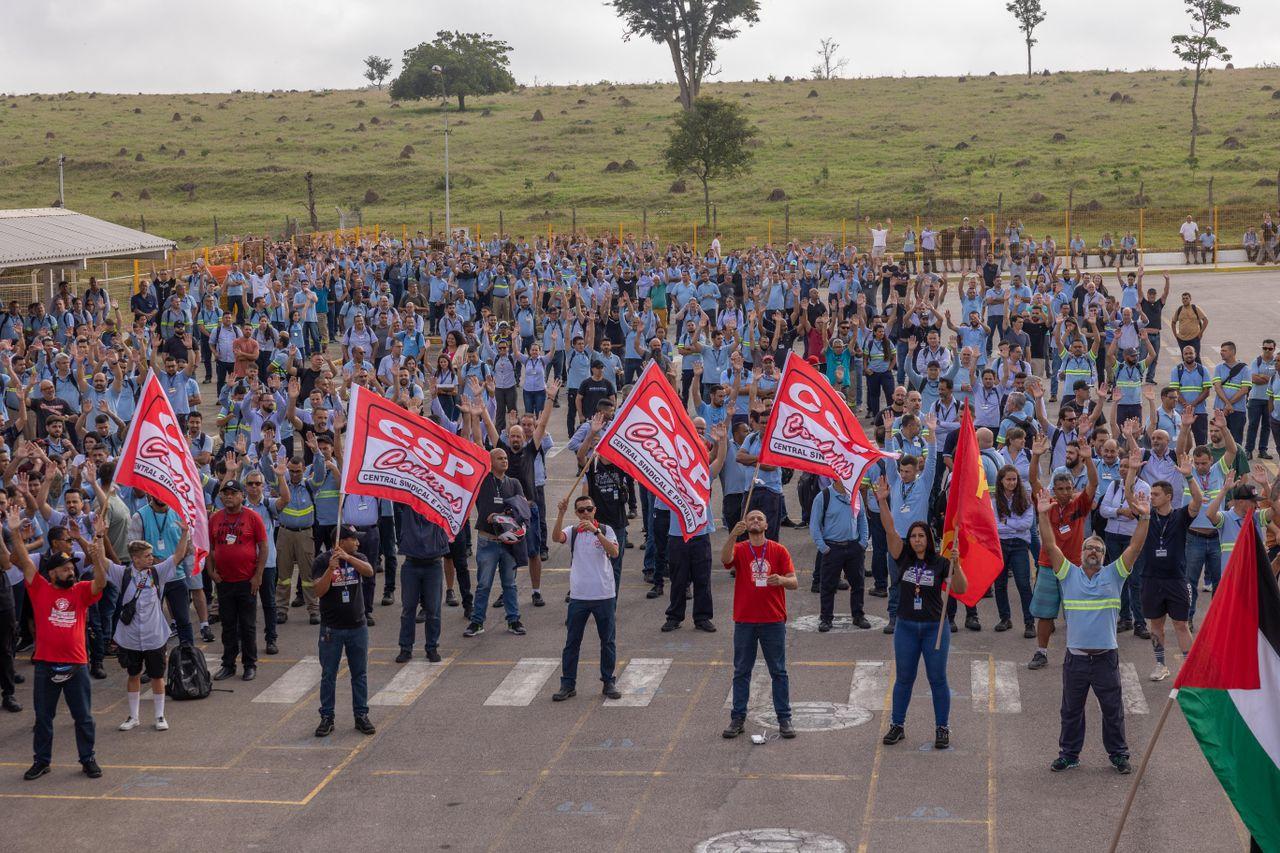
x,y
448,230
62,159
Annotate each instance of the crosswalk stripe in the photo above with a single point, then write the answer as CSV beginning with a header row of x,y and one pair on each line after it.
x,y
297,681
1131,690
523,682
639,682
408,683
761,688
869,686
1008,700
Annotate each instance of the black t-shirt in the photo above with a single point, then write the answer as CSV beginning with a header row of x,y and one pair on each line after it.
x,y
343,605
606,483
1164,554
306,381
591,392
923,580
520,465
491,499
1152,311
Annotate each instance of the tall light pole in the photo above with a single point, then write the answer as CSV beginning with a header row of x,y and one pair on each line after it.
x,y
448,229
62,159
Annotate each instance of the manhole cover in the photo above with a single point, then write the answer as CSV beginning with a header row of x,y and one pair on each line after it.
x,y
816,716
839,624
772,841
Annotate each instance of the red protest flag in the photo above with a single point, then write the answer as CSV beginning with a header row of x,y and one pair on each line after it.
x,y
156,460
812,429
394,454
969,528
653,439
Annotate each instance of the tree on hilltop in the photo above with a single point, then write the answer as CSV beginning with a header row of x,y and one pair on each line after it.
x,y
709,142
376,69
1200,47
1029,16
455,65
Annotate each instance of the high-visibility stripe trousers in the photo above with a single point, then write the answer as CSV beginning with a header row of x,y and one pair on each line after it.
x,y
295,547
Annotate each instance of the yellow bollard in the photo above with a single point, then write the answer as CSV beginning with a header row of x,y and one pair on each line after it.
x,y
695,238
619,232
135,275
235,252
842,233
1215,235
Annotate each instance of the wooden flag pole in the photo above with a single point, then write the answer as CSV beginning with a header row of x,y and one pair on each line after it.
x,y
574,487
746,504
1142,768
946,594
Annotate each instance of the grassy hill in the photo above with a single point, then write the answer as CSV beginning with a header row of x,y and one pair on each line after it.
x,y
888,146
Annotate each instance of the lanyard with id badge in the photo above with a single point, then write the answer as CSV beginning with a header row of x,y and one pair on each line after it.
x,y
919,575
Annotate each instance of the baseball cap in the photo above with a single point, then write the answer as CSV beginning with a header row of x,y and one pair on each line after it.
x,y
1246,492
232,486
813,359
348,531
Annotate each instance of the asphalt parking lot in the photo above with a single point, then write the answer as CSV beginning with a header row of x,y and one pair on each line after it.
x,y
471,753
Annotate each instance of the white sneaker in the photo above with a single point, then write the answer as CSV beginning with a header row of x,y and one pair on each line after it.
x,y
1160,673
162,725
130,724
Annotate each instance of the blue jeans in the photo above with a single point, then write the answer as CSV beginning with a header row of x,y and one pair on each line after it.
x,y
178,598
494,558
46,693
267,595
576,622
421,582
911,639
355,642
1204,554
655,544
534,402
616,562
101,623
1017,559
772,638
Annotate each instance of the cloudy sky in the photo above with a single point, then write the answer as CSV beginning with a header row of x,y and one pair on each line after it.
x,y
201,46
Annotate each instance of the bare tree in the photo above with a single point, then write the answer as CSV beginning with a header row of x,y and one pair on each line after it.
x,y
1029,16
1200,47
376,69
829,66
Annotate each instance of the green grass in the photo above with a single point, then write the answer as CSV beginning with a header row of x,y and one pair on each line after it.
x,y
888,147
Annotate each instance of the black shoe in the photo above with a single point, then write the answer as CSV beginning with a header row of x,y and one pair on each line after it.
x,y
544,554
224,672
472,629
824,626
670,625
96,671
952,623
214,618
369,620
325,728
298,601
893,623
364,725
631,514
1124,625
813,588
1003,625
942,738
466,611
787,522
1039,660
705,625
1142,632
737,725
630,544
314,619
433,656
388,599
282,616
785,729
895,734
516,628
1029,632
861,622
1262,454
35,771
405,656
655,592
450,599
272,648
19,678
206,634
538,600
91,769
879,592
971,622
610,691
648,576
497,604
1059,764
250,673
843,585
1121,764
563,693
10,704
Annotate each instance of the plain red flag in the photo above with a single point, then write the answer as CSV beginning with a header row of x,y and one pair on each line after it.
x,y
970,525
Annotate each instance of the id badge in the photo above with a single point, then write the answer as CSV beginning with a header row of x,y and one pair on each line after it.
x,y
231,539
906,508
918,604
1162,552
346,596
1064,529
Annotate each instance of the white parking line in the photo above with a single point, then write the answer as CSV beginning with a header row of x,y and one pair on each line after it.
x,y
1008,700
523,682
870,684
409,682
297,681
639,682
1131,690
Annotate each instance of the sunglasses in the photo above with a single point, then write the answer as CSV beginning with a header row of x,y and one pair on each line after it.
x,y
582,510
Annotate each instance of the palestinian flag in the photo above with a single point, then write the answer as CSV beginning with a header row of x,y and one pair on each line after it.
x,y
1229,687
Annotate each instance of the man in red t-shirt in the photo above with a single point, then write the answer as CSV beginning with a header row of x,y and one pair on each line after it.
x,y
763,570
1068,514
237,556
59,606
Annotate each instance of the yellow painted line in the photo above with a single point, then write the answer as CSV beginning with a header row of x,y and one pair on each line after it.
x,y
191,767
865,833
116,798
333,774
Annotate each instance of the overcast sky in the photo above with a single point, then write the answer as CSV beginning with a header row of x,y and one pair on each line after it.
x,y
201,46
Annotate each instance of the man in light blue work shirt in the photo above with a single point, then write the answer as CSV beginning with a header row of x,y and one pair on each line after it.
x,y
841,536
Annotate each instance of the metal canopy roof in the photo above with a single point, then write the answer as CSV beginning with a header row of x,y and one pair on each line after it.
x,y
45,236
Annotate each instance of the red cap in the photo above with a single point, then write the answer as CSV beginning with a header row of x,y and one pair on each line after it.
x,y
814,360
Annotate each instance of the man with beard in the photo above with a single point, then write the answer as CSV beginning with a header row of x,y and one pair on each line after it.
x,y
59,606
1091,600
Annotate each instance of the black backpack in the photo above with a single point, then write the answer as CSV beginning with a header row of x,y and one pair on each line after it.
x,y
188,674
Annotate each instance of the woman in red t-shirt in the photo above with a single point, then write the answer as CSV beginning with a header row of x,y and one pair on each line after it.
x,y
762,571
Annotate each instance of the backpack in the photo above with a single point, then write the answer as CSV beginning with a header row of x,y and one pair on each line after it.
x,y
188,674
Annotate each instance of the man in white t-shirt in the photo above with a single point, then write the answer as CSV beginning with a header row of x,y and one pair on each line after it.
x,y
1189,232
591,593
880,238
